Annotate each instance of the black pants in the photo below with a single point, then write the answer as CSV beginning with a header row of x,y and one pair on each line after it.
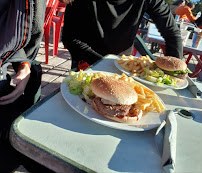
x,y
9,112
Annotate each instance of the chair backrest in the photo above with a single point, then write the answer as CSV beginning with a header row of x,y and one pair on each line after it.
x,y
51,7
60,10
141,47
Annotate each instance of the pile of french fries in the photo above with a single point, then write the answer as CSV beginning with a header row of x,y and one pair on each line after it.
x,y
136,65
148,101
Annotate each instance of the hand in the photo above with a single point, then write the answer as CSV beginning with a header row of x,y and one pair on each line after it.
x,y
21,81
66,1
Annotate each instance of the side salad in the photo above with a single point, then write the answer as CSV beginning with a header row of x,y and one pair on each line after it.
x,y
79,83
159,77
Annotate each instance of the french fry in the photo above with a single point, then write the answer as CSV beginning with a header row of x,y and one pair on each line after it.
x,y
124,67
136,65
160,104
142,91
141,96
144,106
147,100
158,108
150,109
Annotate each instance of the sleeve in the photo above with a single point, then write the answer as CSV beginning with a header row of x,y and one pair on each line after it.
x,y
161,15
190,15
29,52
82,51
78,49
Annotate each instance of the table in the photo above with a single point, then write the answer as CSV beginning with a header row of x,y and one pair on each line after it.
x,y
56,136
187,25
154,36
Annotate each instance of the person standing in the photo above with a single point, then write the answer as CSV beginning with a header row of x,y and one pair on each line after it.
x,y
185,12
93,29
176,4
21,29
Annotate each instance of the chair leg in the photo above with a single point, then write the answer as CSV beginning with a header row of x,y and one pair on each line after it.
x,y
46,37
189,57
163,48
134,51
198,68
56,37
195,73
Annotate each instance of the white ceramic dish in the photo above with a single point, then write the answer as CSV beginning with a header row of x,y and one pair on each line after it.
x,y
181,85
149,121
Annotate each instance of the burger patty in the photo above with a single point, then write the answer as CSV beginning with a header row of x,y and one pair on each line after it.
x,y
111,110
180,75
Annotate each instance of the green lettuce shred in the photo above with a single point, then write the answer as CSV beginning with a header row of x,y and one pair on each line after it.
x,y
79,83
158,77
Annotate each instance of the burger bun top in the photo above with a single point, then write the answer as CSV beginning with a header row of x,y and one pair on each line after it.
x,y
170,63
114,90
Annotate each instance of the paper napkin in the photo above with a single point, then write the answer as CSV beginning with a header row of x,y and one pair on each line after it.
x,y
165,138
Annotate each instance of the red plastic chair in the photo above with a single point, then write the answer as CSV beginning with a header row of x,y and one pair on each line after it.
x,y
54,17
198,67
57,23
134,52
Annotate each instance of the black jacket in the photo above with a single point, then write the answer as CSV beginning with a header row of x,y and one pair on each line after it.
x,y
21,29
110,26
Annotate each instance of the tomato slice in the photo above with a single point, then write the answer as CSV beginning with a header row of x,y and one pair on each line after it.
x,y
120,116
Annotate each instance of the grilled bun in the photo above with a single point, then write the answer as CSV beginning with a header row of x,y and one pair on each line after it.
x,y
170,63
125,119
114,90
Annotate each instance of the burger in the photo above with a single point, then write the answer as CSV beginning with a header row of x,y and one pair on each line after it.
x,y
174,67
115,100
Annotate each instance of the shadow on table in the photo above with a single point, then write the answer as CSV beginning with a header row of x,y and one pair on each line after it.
x,y
125,154
197,116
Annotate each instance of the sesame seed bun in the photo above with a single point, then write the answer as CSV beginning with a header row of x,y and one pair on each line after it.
x,y
170,63
114,90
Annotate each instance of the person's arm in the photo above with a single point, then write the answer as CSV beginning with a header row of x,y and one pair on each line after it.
x,y
78,49
159,12
190,15
27,54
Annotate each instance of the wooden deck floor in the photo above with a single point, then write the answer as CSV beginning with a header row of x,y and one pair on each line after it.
x,y
56,70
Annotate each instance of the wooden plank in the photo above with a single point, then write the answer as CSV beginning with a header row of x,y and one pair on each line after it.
x,y
55,84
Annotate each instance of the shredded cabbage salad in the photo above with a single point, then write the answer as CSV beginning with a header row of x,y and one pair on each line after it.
x,y
79,83
159,77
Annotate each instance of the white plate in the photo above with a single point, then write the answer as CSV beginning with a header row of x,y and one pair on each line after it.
x,y
181,85
149,121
